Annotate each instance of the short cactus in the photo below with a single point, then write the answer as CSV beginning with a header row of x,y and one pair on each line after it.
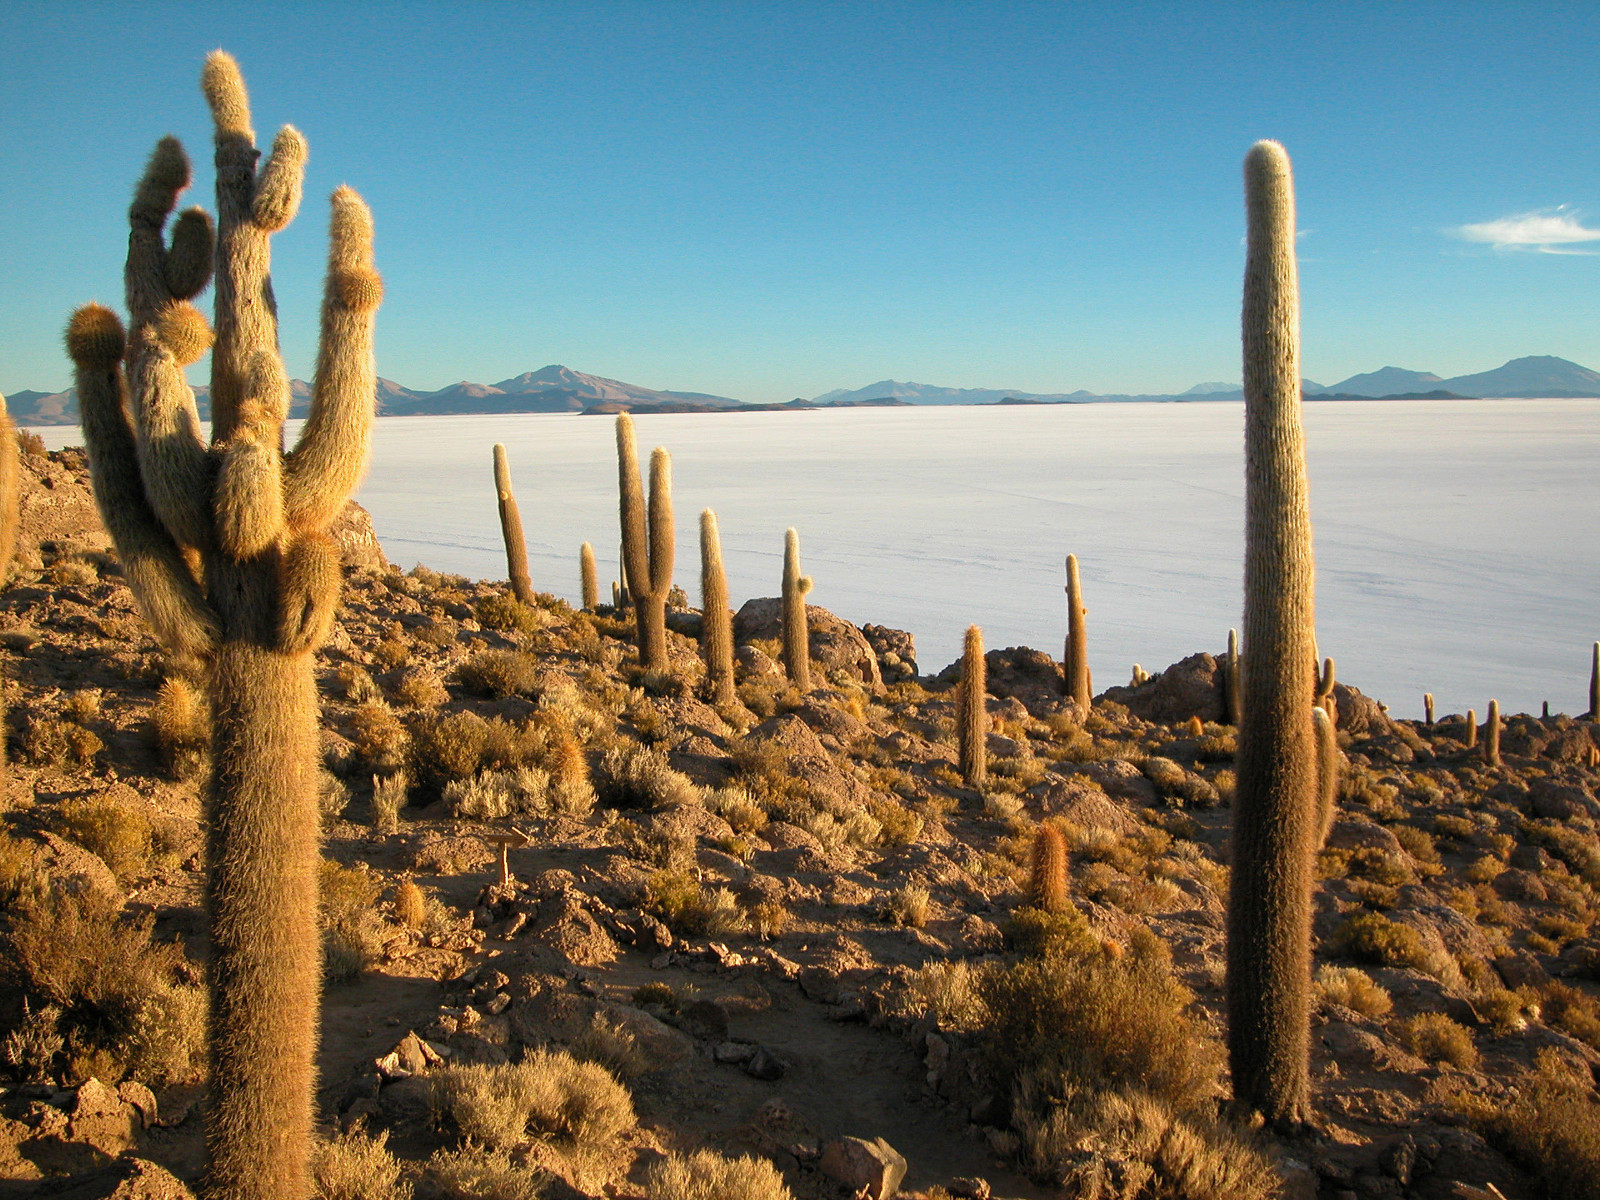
x,y
1075,667
648,543
589,577
1491,735
1427,709
511,529
972,713
1324,699
1269,907
796,631
1470,737
1047,875
716,623
1232,692
1330,765
227,551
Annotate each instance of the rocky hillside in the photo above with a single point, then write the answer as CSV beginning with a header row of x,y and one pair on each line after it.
x,y
589,936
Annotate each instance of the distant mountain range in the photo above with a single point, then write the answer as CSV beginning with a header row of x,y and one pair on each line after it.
x,y
561,389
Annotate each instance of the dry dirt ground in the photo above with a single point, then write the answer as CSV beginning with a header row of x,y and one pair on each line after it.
x,y
771,918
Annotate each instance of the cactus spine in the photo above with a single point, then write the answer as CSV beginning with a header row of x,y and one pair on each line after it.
x,y
647,543
1075,668
716,623
1594,684
1232,693
511,529
1269,909
1491,736
972,715
254,520
589,577
1047,877
796,633
1471,735
1427,709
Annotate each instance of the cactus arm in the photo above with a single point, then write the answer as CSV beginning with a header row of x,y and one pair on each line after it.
x,y
309,583
155,569
1329,766
331,455
280,183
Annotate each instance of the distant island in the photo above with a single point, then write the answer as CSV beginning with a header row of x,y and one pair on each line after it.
x,y
560,389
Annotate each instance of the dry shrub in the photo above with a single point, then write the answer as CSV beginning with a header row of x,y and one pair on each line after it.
x,y
612,1044
571,788
491,795
1437,1038
49,741
120,834
899,826
125,1000
22,880
389,796
907,905
379,737
420,689
504,612
1373,937
84,705
30,444
447,747
474,1173
707,1175
354,1166
352,930
355,685
1572,1011
549,1092
1352,988
440,632
633,776
500,673
30,1049
1128,1143
393,651
1551,1128
734,805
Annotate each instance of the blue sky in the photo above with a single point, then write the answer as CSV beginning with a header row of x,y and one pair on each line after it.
x,y
769,200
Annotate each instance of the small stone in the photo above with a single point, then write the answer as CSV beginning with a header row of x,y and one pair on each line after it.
x,y
410,1054
497,1004
734,1052
970,1188
764,1065
704,1019
142,1098
870,1169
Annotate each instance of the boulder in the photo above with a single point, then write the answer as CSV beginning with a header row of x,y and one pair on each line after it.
x,y
1190,688
837,647
358,544
871,1169
896,650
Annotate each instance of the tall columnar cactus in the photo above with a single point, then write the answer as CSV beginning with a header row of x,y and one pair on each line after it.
x,y
511,528
1330,765
1075,679
227,550
716,623
1491,735
972,714
1594,684
1470,737
1269,909
796,632
588,577
647,543
1047,876
1232,690
10,497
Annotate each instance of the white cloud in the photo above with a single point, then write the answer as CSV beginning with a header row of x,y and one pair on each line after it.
x,y
1551,231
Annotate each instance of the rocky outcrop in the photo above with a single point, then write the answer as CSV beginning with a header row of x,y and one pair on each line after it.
x,y
837,647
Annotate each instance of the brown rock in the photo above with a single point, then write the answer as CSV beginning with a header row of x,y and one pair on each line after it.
x,y
836,645
1185,689
358,544
570,929
872,1169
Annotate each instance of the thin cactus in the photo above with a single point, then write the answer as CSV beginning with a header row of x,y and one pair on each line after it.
x,y
972,714
589,577
1325,681
261,595
1269,909
648,543
1330,765
1491,735
796,630
1232,692
1471,734
1594,683
716,623
511,529
10,496
1427,709
1075,667
1047,875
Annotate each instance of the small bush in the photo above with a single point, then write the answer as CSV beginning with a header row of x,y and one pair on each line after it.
x,y
707,1175
389,795
549,1092
119,833
656,993
354,1166
906,905
1437,1038
1373,937
447,748
1551,1128
494,794
420,689
1354,989
355,685
474,1173
500,673
631,776
379,737
1571,1011
612,1044
504,612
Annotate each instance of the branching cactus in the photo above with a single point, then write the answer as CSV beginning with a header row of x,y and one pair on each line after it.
x,y
796,630
1076,667
226,548
1269,908
511,529
972,714
1047,875
1491,735
588,577
1232,691
716,623
10,497
647,543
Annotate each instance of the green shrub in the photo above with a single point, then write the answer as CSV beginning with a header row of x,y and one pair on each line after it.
x,y
447,747
504,612
120,834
